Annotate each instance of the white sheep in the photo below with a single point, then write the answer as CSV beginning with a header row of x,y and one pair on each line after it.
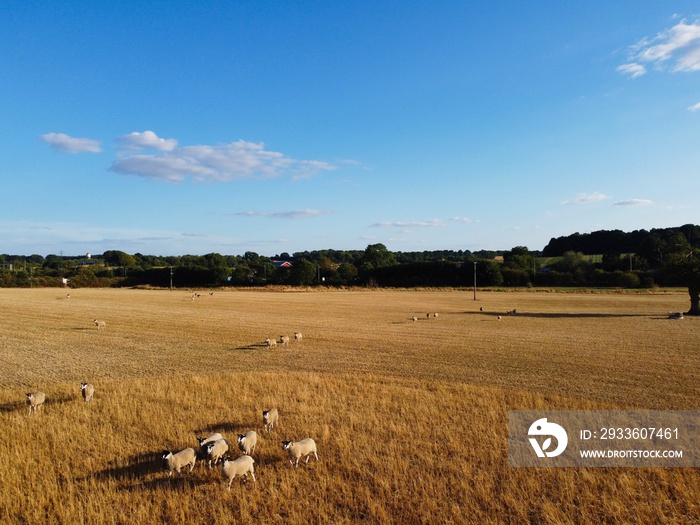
x,y
305,447
247,442
414,318
271,343
297,337
35,400
101,325
239,467
216,451
87,390
284,340
270,419
209,439
435,315
178,460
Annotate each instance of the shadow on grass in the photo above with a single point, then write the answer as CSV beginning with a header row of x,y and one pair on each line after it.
x,y
252,346
137,466
550,315
13,406
226,427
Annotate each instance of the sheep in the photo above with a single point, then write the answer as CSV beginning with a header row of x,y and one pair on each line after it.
x,y
305,447
216,450
35,400
271,343
284,340
247,442
435,315
101,325
239,467
178,460
270,419
499,317
297,337
210,439
87,390
414,318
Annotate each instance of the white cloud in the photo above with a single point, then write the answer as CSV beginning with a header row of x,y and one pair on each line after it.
x,y
676,49
223,162
633,70
294,214
694,107
147,139
68,144
586,198
465,220
410,224
633,202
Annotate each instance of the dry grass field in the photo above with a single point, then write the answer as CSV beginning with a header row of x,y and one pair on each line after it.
x,y
410,418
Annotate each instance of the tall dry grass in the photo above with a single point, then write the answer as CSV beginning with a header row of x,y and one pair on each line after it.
x,y
410,418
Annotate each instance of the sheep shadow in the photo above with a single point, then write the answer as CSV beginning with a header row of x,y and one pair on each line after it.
x,y
137,466
13,406
226,426
252,346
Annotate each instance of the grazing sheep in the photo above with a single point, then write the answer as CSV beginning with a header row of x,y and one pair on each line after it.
x,y
284,340
675,315
481,308
499,317
428,315
435,315
270,419
239,467
67,296
297,337
247,442
210,439
415,319
511,312
216,450
35,400
178,460
271,343
87,390
305,447
101,325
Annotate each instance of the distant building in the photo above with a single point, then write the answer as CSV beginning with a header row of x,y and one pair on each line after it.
x,y
281,264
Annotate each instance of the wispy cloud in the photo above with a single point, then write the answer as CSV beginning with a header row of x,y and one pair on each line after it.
x,y
676,49
586,198
432,223
633,202
147,139
694,107
633,69
465,220
294,214
68,144
220,163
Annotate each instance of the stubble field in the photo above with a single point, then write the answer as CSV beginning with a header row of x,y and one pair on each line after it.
x,y
410,418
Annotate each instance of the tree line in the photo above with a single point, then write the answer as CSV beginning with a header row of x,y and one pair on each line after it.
x,y
638,259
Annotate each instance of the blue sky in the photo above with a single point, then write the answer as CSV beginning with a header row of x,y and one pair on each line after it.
x,y
172,128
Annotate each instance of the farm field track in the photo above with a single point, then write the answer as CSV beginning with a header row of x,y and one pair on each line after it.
x,y
410,417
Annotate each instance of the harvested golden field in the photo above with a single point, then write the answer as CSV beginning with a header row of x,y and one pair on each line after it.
x,y
410,418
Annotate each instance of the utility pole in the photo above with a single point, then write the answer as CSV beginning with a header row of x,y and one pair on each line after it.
x,y
171,278
475,280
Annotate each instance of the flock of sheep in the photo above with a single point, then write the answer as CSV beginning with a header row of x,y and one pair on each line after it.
x,y
214,448
284,340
